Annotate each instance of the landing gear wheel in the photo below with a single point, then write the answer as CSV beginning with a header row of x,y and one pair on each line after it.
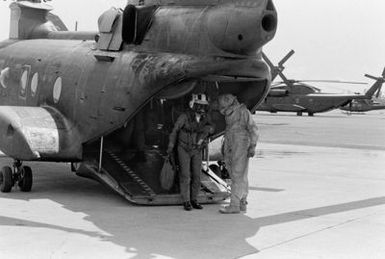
x,y
311,114
25,181
6,179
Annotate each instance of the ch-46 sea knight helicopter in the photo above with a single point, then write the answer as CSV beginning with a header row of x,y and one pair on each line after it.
x,y
106,101
365,105
298,96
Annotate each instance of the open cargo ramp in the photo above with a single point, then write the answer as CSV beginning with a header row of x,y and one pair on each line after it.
x,y
138,180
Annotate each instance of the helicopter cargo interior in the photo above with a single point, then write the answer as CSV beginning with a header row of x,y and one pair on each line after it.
x,y
130,159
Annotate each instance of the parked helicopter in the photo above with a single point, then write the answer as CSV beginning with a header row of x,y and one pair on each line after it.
x,y
298,96
106,101
364,105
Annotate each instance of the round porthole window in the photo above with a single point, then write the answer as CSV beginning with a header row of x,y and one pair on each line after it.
x,y
4,74
34,83
57,90
23,82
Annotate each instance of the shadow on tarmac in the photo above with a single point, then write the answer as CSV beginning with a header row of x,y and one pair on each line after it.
x,y
149,231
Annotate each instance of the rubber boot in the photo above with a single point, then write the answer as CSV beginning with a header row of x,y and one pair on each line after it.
x,y
187,206
231,209
196,205
243,206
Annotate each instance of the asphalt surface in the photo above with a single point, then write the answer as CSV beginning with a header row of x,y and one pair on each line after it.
x,y
317,190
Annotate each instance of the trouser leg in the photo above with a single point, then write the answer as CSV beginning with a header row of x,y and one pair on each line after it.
x,y
239,169
196,164
184,174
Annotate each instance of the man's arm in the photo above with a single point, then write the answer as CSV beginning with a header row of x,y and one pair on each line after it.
x,y
174,133
252,128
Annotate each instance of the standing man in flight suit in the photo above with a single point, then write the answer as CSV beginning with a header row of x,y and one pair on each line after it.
x,y
189,134
240,141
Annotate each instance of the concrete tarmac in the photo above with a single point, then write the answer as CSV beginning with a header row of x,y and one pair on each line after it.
x,y
317,190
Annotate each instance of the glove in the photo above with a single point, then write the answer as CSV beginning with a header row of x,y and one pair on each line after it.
x,y
200,142
251,151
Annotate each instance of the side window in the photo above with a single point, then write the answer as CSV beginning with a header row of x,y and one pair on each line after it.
x,y
4,75
24,79
57,88
34,84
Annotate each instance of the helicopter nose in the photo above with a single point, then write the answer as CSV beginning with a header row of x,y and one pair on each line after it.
x,y
242,27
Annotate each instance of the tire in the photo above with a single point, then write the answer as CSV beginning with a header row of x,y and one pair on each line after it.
x,y
25,182
6,179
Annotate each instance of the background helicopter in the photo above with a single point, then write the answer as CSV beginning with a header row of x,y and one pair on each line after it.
x,y
298,96
364,105
105,101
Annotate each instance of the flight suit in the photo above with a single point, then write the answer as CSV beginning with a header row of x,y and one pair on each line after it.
x,y
186,134
240,140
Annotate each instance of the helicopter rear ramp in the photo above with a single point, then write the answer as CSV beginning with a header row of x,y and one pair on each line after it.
x,y
138,179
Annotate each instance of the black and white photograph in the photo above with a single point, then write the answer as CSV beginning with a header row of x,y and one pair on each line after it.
x,y
218,129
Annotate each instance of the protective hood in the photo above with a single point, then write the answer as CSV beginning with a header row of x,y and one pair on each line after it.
x,y
227,104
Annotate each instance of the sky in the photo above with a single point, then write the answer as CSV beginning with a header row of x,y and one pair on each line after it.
x,y
333,39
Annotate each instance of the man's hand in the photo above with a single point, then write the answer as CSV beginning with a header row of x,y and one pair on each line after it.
x,y
251,151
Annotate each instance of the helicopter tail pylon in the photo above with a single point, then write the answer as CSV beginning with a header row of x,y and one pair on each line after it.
x,y
376,87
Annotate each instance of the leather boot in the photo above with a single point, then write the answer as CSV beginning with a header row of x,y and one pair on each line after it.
x,y
196,205
231,209
187,206
243,206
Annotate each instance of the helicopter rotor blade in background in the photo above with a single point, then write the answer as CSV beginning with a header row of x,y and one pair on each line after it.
x,y
278,70
371,77
283,61
271,65
333,81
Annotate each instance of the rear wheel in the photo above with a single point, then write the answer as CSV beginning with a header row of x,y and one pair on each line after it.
x,y
6,179
25,182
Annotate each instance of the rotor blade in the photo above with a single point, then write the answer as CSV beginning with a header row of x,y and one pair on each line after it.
x,y
291,53
371,77
285,80
334,81
271,65
274,70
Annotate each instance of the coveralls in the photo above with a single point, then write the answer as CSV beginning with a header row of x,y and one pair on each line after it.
x,y
186,133
240,140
